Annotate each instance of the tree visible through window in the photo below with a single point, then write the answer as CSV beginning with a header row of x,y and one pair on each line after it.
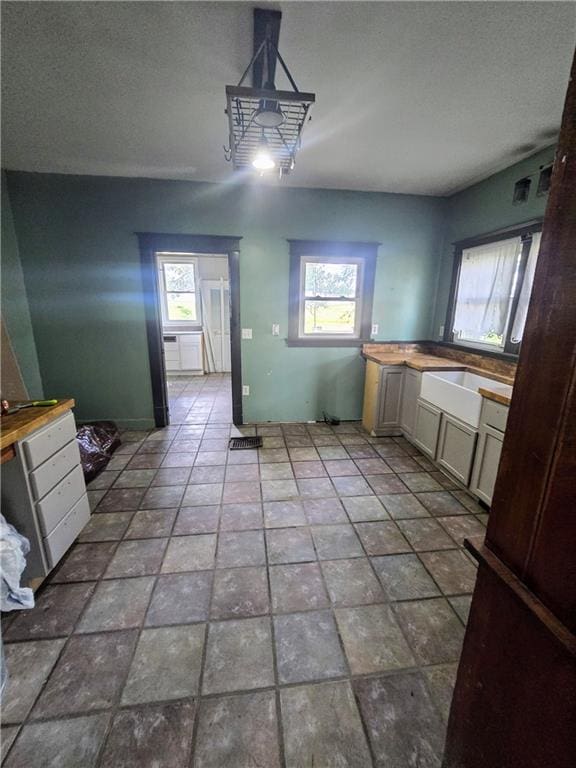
x,y
330,294
180,291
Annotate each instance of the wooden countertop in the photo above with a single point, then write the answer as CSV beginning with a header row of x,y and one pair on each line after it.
x,y
423,362
496,393
417,360
16,426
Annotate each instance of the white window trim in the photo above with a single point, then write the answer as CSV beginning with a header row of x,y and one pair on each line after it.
x,y
358,298
178,258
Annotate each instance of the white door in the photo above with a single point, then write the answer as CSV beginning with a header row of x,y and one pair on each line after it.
x,y
216,317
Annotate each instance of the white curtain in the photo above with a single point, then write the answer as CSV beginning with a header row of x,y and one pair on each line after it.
x,y
526,290
484,289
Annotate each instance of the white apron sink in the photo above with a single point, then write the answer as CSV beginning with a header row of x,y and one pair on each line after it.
x,y
456,393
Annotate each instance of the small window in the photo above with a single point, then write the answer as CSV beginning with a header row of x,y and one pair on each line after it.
x,y
331,291
492,287
178,286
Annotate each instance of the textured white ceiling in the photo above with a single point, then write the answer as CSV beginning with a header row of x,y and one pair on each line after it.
x,y
411,97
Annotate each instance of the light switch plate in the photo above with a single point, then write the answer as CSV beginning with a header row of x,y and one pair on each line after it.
x,y
245,390
275,329
441,334
374,329
246,333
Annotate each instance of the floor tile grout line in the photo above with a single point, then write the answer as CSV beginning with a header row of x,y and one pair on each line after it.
x,y
278,702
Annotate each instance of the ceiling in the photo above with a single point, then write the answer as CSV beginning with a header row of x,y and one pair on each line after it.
x,y
411,97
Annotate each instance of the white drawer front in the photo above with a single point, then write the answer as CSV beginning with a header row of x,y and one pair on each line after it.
x,y
495,414
52,471
172,354
60,500
45,442
67,530
191,340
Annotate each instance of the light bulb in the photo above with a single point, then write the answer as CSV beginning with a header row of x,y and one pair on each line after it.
x,y
263,160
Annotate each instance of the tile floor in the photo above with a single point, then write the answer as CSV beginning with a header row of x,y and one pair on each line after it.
x,y
300,605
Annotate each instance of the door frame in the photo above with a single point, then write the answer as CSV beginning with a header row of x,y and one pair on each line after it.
x,y
151,243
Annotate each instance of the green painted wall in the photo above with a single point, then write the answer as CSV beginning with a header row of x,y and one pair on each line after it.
x,y
81,266
483,208
14,300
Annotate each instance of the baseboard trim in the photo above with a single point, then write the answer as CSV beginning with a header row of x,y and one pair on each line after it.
x,y
123,423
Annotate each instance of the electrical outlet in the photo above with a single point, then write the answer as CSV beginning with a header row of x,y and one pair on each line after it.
x,y
245,390
246,333
441,334
374,329
275,329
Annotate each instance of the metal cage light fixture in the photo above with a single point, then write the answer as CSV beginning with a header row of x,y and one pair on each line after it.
x,y
265,124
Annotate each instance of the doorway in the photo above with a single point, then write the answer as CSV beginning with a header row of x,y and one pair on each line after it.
x,y
192,302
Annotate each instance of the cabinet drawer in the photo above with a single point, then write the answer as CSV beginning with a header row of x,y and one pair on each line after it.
x,y
190,340
494,414
54,469
45,442
67,530
60,500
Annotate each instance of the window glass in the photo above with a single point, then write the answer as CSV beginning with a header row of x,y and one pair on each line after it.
x,y
181,306
329,279
329,317
485,289
179,277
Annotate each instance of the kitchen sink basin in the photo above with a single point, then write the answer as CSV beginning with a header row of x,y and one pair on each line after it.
x,y
456,393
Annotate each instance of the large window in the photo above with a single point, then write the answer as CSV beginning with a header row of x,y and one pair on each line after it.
x,y
178,283
331,290
492,284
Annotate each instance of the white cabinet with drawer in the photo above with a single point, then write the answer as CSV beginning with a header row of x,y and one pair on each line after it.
x,y
183,352
493,420
44,494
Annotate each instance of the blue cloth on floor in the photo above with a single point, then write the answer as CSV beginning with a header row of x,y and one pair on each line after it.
x,y
13,550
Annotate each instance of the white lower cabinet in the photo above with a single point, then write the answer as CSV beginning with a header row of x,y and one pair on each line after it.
x,y
490,439
410,395
426,427
456,446
183,352
393,406
44,494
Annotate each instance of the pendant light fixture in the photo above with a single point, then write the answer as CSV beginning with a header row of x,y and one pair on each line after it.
x,y
265,124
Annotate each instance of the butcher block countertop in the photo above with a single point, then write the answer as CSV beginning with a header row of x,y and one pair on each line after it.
x,y
499,395
421,360
417,360
16,426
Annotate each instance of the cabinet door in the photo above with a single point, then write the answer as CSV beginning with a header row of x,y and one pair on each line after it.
x,y
191,353
486,463
426,428
391,380
410,394
456,447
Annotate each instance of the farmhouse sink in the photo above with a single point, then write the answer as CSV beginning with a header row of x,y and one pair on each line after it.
x,y
456,393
